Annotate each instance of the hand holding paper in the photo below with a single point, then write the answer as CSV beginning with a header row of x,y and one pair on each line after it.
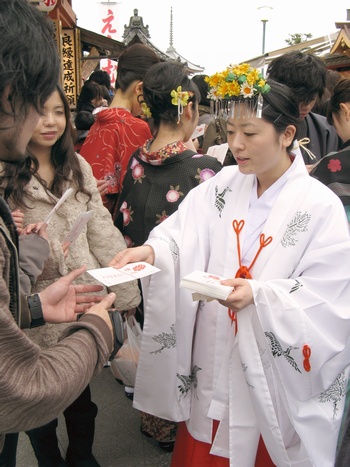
x,y
112,276
206,286
63,198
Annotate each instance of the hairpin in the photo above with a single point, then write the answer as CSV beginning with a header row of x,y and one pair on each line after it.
x,y
180,98
146,111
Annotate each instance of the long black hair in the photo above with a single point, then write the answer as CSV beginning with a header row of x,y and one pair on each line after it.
x,y
15,177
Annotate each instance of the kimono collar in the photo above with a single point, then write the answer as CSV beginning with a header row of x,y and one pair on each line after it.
x,y
157,157
345,145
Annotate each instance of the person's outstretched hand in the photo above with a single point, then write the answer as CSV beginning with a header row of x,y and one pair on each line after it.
x,y
132,255
62,301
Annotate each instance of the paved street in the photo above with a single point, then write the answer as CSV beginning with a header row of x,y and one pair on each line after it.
x,y
118,441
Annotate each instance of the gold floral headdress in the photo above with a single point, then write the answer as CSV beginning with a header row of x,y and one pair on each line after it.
x,y
237,84
180,98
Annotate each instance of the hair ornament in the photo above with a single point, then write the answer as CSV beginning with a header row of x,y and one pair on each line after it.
x,y
237,85
180,98
301,143
146,111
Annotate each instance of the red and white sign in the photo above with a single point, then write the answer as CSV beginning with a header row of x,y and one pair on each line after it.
x,y
44,5
110,27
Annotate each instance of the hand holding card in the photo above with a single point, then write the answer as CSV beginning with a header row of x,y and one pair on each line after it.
x,y
112,276
206,286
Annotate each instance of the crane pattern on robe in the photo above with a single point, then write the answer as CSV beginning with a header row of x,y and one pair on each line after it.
x,y
296,286
219,199
187,381
277,351
335,392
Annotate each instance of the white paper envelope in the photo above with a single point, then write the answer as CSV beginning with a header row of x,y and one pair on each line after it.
x,y
206,286
219,151
111,276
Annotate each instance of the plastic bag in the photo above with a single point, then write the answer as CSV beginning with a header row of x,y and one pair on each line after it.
x,y
124,364
118,331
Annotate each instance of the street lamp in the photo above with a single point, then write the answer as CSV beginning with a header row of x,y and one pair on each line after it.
x,y
264,11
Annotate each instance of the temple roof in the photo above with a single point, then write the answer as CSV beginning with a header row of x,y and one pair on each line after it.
x,y
320,45
333,48
342,44
136,32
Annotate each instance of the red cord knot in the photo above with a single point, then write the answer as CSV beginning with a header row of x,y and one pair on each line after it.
x,y
233,315
244,271
307,355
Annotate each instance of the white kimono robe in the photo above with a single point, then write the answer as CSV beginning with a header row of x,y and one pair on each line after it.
x,y
194,366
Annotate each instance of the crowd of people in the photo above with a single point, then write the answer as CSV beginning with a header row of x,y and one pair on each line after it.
x,y
259,377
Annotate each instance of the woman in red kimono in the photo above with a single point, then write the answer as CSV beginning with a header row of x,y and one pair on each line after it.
x,y
119,130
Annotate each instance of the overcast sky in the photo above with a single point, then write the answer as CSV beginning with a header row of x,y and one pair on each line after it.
x,y
225,31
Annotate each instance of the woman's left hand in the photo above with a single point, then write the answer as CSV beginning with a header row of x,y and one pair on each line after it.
x,y
240,297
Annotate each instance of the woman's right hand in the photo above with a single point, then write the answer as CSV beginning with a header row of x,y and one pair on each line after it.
x,y
39,228
132,255
18,218
102,186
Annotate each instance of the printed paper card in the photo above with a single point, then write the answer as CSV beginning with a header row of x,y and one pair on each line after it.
x,y
111,276
78,226
218,151
199,131
206,286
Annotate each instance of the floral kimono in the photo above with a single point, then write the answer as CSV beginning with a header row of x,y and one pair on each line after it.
x,y
279,369
155,184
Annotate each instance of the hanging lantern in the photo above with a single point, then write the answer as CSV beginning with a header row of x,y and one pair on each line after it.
x,y
44,5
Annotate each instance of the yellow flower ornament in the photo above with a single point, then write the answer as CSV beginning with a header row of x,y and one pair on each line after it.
x,y
180,98
238,83
146,111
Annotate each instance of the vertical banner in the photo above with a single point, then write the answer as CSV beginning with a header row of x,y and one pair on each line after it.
x,y
69,66
109,19
57,35
109,14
